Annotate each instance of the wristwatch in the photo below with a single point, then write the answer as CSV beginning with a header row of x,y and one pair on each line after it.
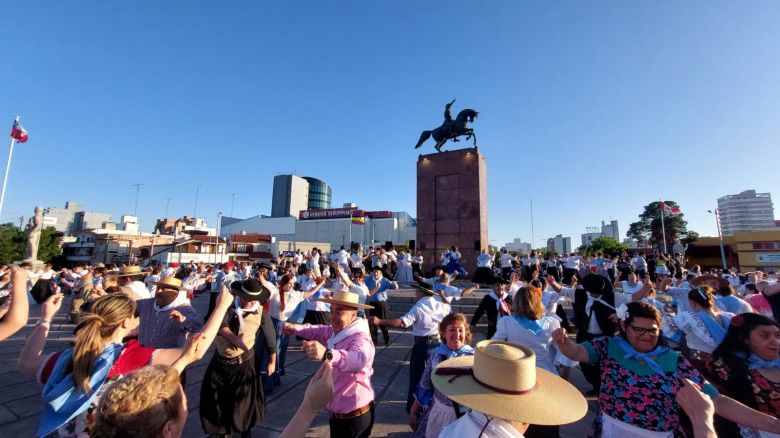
x,y
327,356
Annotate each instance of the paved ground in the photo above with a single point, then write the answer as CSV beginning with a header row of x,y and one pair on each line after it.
x,y
20,402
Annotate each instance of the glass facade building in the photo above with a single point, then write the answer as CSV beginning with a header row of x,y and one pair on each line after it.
x,y
319,193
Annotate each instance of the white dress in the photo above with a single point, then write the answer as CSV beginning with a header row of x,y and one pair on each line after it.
x,y
404,273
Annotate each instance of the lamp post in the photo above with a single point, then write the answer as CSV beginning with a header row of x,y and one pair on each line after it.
x,y
232,202
137,191
167,204
720,236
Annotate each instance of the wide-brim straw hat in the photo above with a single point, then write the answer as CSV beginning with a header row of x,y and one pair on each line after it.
x,y
345,298
424,288
501,380
706,278
128,271
169,282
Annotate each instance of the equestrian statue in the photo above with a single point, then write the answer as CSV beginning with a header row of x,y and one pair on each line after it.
x,y
451,129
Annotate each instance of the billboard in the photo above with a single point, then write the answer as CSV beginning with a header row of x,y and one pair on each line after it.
x,y
328,213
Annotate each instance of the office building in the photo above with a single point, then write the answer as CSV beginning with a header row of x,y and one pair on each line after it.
x,y
746,211
319,194
559,244
290,196
73,218
517,245
606,230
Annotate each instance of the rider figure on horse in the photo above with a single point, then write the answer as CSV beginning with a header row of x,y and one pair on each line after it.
x,y
449,124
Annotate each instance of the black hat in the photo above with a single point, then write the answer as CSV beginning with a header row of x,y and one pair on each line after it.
x,y
264,265
594,283
497,280
376,268
424,288
250,289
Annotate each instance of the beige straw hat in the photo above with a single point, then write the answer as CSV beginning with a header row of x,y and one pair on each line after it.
x,y
501,380
345,298
169,282
128,271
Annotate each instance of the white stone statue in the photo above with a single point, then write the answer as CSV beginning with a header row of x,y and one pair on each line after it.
x,y
34,227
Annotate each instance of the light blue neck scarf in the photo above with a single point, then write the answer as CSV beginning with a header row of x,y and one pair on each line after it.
x,y
534,326
717,330
648,357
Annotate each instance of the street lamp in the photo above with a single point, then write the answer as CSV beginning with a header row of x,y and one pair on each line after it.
x,y
720,236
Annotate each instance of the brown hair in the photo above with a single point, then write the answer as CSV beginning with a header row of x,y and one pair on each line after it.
x,y
454,318
702,296
528,303
139,404
95,326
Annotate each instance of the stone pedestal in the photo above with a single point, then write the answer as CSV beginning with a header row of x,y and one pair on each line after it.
x,y
452,205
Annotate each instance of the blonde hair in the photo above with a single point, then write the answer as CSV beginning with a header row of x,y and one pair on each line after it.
x,y
139,404
528,303
95,326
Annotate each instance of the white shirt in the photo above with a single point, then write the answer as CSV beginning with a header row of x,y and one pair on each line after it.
x,y
508,329
475,424
630,290
484,260
168,272
343,257
593,325
506,260
140,288
425,316
357,261
572,262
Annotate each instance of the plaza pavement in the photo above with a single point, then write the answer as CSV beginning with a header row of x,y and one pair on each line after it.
x,y
20,401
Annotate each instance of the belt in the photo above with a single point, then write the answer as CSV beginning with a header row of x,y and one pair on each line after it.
x,y
238,360
352,414
430,338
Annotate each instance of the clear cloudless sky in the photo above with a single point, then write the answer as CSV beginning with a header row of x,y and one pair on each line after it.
x,y
593,109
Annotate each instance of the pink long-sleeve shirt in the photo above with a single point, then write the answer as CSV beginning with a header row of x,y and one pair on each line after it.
x,y
353,360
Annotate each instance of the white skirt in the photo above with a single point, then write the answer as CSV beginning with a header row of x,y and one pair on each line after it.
x,y
614,428
440,417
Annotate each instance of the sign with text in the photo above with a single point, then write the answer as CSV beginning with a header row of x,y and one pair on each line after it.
x,y
330,213
768,257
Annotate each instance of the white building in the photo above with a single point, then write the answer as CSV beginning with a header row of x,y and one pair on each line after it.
x,y
606,230
73,218
746,211
517,245
333,226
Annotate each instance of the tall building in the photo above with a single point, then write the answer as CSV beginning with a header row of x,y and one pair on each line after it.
x,y
746,211
290,196
559,244
319,193
606,230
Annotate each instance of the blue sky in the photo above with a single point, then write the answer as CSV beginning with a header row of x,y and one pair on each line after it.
x,y
593,109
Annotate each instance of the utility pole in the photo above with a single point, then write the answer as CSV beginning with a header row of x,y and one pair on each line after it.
x,y
195,210
232,202
532,224
21,222
137,191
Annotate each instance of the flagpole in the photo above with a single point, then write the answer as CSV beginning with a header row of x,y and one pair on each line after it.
x,y
7,168
663,229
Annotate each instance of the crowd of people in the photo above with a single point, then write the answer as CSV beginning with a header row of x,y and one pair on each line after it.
x,y
670,350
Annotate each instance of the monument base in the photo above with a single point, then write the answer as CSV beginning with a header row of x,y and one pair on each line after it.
x,y
37,265
452,206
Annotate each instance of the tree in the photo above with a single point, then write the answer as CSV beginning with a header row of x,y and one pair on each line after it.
x,y
12,243
648,227
50,246
604,245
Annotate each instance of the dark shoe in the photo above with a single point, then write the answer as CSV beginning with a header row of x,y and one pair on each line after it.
x,y
281,373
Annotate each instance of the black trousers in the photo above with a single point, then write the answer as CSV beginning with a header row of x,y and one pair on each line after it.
x,y
231,396
355,427
380,311
592,372
212,304
316,317
422,346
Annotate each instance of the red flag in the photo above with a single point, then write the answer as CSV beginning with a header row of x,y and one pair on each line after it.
x,y
669,209
18,132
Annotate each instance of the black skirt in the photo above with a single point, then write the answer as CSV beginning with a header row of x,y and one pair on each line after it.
x,y
483,276
231,395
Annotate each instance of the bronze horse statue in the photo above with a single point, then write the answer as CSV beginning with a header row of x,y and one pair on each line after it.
x,y
451,129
